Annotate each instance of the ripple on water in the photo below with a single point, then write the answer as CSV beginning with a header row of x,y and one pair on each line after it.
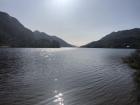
x,y
66,77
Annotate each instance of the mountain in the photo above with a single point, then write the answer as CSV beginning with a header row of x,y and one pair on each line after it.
x,y
14,34
120,39
51,38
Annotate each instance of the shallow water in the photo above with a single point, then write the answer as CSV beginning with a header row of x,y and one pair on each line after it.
x,y
66,76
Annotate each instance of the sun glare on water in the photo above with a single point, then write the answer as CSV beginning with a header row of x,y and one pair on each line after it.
x,y
59,99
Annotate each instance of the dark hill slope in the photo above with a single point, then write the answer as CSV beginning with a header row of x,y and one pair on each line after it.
x,y
52,38
14,34
120,39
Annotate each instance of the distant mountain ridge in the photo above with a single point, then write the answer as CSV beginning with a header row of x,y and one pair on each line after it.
x,y
121,39
14,34
51,38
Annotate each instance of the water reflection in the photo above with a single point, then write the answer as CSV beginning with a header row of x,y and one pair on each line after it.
x,y
70,77
59,99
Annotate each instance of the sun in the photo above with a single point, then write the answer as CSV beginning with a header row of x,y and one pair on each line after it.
x,y
63,2
61,5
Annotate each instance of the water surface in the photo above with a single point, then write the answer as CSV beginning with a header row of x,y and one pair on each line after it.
x,y
66,76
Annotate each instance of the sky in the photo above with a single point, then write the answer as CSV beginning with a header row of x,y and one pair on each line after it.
x,y
76,21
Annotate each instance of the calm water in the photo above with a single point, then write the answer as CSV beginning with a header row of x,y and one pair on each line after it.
x,y
66,77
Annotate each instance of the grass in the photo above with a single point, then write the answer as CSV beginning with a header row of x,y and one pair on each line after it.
x,y
133,60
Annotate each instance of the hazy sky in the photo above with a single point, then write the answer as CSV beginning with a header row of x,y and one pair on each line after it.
x,y
76,21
